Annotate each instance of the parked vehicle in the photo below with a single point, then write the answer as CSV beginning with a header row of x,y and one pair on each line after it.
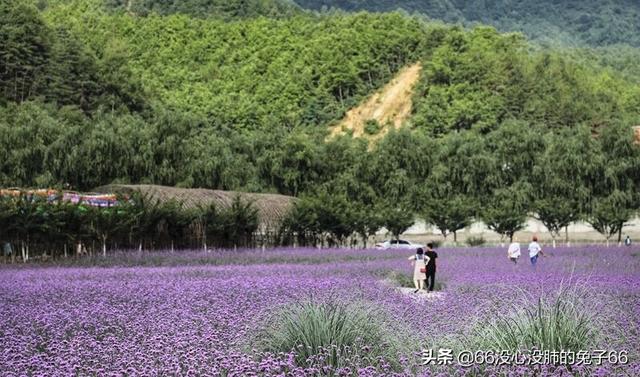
x,y
397,244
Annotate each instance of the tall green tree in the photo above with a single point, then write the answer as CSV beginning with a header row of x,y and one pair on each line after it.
x,y
24,52
449,197
561,176
615,192
505,212
609,213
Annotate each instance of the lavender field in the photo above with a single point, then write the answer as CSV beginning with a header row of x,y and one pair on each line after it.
x,y
232,313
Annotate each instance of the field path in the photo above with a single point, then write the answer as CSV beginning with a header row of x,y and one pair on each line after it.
x,y
422,295
391,104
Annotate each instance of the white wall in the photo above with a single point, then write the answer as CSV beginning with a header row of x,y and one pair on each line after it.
x,y
576,230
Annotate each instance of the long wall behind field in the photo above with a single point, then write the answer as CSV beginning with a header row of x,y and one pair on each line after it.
x,y
579,232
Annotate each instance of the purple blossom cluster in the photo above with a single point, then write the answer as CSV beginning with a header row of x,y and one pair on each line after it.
x,y
202,320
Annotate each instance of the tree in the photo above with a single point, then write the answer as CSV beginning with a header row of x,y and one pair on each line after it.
x,y
174,221
110,221
368,220
76,223
505,212
397,219
24,51
609,214
561,177
209,220
449,212
240,222
614,192
448,200
302,223
8,230
29,221
294,165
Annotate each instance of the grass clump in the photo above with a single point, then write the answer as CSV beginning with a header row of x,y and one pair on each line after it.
x,y
332,334
404,280
563,321
476,241
399,279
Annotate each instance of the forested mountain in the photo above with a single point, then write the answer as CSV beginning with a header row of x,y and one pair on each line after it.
x,y
52,63
261,72
92,94
156,98
90,97
479,79
569,22
226,9
553,23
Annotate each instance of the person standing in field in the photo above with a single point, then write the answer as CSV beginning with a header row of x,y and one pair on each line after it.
x,y
627,241
419,269
514,251
534,251
431,266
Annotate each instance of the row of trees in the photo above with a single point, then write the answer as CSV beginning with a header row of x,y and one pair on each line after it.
x,y
350,190
500,178
36,226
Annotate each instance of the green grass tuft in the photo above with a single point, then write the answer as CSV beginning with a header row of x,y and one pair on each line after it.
x,y
404,280
332,333
562,321
476,241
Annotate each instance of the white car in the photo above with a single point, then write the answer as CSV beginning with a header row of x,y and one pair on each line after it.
x,y
398,244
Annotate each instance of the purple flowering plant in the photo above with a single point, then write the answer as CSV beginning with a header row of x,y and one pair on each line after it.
x,y
227,313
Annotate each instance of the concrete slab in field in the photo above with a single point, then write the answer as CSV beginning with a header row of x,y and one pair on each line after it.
x,y
422,295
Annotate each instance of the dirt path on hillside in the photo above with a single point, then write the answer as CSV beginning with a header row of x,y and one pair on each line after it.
x,y
392,104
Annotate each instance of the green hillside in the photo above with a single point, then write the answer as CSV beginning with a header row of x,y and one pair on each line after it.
x,y
568,22
479,79
226,9
90,95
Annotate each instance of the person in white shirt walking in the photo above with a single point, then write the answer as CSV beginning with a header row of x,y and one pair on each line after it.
x,y
534,251
514,251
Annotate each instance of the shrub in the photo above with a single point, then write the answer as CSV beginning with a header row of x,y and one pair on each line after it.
x,y
399,279
331,333
404,280
563,322
372,127
476,241
436,243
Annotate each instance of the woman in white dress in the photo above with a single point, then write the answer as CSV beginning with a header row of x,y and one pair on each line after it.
x,y
419,269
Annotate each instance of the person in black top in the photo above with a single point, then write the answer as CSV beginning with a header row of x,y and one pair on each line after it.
x,y
431,266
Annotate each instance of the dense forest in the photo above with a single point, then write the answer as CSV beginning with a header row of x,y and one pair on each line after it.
x,y
225,9
566,22
92,94
551,23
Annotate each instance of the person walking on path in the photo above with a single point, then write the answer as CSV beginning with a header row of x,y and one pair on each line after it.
x,y
419,269
514,251
534,251
431,266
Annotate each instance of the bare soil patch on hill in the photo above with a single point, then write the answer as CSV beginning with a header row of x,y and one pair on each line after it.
x,y
390,106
